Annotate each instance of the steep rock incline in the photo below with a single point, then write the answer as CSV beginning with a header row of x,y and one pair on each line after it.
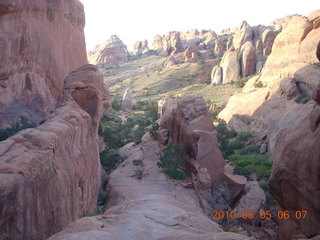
x,y
154,208
186,123
50,175
110,53
40,42
295,179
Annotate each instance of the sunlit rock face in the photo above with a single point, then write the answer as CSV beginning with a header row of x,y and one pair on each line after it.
x,y
40,42
51,175
110,53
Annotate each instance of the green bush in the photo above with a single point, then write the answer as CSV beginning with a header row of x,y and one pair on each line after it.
x,y
224,135
244,136
154,131
252,163
173,161
137,163
175,173
249,150
172,157
110,159
258,84
22,123
116,103
240,83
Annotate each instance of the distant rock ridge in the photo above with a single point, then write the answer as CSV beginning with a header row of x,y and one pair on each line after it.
x,y
247,51
110,53
36,53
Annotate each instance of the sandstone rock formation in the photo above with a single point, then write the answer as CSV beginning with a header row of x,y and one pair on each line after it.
x,y
154,208
247,51
216,75
297,188
51,175
177,42
190,54
140,47
40,42
188,125
230,66
110,53
277,111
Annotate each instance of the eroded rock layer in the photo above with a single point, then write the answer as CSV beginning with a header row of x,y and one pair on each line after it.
x,y
40,42
187,124
50,175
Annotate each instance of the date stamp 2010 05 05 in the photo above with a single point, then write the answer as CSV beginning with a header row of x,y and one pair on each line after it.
x,y
281,214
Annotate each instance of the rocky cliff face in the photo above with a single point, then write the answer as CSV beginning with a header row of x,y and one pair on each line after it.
x,y
40,42
187,123
281,111
50,175
110,53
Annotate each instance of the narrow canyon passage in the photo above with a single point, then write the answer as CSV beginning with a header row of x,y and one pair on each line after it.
x,y
155,207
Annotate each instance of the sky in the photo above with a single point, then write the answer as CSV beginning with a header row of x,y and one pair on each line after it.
x,y
135,20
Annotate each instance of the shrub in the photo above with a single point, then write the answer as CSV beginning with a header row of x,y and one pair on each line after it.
x,y
138,134
244,136
258,84
137,163
175,173
252,163
172,157
240,83
249,150
110,159
154,131
139,173
22,123
102,197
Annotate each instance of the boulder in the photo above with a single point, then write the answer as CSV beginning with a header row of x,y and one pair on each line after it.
x,y
247,59
188,52
253,199
110,53
230,66
40,42
189,126
50,175
140,47
235,184
216,75
289,87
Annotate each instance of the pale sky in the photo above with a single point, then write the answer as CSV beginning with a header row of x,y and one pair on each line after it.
x,y
134,20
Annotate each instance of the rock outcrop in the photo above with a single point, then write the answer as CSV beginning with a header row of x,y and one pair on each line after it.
x,y
140,47
153,208
177,42
40,42
188,125
295,179
247,51
110,53
282,111
50,175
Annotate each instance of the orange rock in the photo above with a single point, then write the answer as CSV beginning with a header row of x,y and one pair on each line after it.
x,y
40,42
52,173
